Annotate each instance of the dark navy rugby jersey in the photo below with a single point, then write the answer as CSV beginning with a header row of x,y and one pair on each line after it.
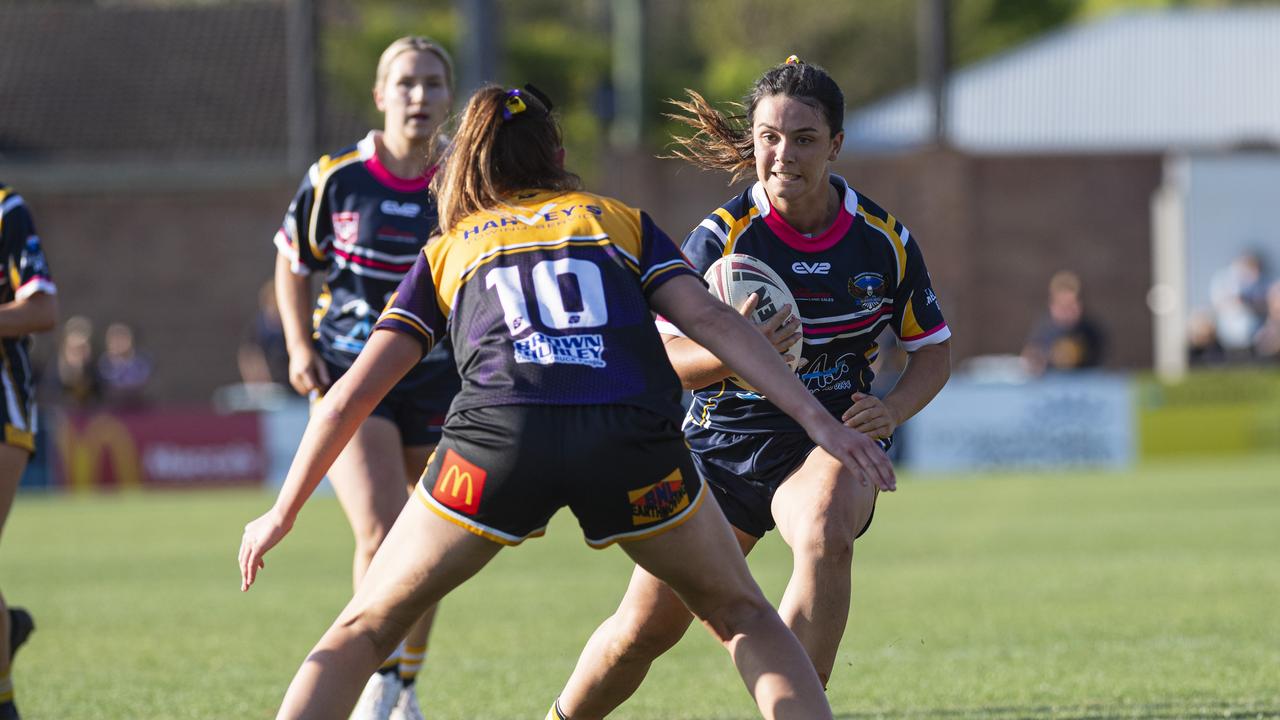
x,y
547,304
862,274
23,273
363,227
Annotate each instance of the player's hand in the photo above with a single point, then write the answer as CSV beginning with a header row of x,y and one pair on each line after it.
x,y
259,536
307,371
870,416
782,330
859,453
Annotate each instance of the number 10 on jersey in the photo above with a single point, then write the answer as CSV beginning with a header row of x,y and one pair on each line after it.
x,y
569,293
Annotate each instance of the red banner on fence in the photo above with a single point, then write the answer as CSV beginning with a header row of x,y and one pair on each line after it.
x,y
159,448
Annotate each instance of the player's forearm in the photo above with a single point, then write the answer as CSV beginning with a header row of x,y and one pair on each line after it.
x,y
696,366
925,374
720,330
33,314
330,428
293,298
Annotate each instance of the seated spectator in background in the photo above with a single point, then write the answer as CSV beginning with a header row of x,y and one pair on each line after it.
x,y
1203,347
1065,339
1239,293
263,357
77,369
1266,341
123,370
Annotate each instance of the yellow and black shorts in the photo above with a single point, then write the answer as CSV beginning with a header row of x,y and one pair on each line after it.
x,y
17,406
501,472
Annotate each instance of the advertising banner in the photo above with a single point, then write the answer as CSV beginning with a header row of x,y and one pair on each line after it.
x,y
1081,419
157,449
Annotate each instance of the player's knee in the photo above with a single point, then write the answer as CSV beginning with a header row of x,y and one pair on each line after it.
x,y
369,537
377,638
827,541
644,639
735,614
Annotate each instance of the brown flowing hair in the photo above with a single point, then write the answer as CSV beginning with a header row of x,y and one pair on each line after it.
x,y
724,142
495,155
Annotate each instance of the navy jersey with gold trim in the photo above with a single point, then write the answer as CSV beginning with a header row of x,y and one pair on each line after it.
x,y
23,272
547,304
362,227
861,275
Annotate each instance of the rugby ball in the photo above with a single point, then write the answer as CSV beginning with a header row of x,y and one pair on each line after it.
x,y
734,277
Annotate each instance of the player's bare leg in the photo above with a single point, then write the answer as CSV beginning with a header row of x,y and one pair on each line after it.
x,y
650,620
819,509
413,652
368,478
419,562
13,461
702,562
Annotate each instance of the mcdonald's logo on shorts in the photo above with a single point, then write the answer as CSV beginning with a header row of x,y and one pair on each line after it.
x,y
660,500
460,484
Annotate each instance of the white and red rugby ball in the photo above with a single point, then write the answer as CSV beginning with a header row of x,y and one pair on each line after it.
x,y
734,277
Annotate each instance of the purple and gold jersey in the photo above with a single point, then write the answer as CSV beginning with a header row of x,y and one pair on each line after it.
x,y
23,273
363,227
862,274
547,303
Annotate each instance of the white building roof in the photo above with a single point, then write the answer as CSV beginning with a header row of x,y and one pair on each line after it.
x,y
1150,81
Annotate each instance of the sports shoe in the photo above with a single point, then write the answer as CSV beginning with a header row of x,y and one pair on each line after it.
x,y
379,697
9,711
407,705
20,627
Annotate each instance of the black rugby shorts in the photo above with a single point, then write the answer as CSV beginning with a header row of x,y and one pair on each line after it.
x,y
501,472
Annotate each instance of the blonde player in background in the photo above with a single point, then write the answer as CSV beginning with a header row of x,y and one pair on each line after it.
x,y
360,217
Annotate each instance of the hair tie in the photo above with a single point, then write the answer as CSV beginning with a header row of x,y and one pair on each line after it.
x,y
793,60
514,105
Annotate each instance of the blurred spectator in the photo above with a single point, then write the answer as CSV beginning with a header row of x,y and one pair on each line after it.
x,y
1203,347
123,370
1065,338
1239,293
1266,342
77,369
263,356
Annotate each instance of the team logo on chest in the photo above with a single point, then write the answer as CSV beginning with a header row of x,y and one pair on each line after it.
x,y
867,290
346,226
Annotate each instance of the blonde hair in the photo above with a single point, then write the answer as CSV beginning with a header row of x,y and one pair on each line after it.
x,y
494,155
412,43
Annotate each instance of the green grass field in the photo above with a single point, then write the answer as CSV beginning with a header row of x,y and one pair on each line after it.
x,y
1148,594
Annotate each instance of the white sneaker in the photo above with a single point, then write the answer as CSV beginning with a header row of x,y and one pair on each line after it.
x,y
407,705
379,697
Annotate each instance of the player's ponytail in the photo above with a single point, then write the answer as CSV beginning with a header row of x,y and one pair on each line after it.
x,y
724,142
507,141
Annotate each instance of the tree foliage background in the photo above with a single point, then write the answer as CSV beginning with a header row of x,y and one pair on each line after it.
x,y
718,47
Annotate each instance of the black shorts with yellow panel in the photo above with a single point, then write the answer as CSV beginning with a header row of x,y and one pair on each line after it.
x,y
502,471
744,470
17,408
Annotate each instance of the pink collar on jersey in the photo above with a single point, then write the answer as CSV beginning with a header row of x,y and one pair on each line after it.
x,y
798,240
369,153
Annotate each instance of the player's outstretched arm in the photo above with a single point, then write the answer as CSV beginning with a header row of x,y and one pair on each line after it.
x,y
384,360
731,337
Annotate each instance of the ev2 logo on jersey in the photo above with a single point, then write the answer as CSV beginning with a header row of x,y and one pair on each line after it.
x,y
408,209
804,268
